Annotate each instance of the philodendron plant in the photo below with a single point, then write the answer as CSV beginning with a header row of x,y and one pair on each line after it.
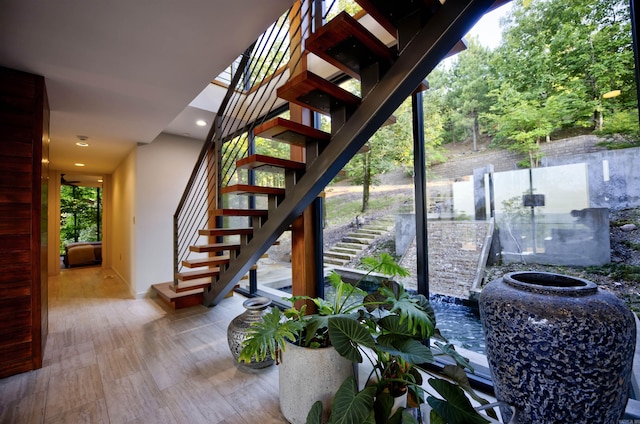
x,y
390,332
390,328
269,336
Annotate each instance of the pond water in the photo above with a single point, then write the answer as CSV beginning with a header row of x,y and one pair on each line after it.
x,y
459,323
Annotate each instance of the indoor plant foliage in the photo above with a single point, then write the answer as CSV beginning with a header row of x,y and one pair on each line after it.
x,y
388,329
269,337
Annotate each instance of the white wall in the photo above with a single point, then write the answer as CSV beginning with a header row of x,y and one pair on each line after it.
x,y
120,218
163,168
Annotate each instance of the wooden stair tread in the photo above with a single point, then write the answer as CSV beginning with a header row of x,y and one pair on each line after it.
x,y
166,292
347,45
239,212
221,232
209,261
214,247
194,275
290,132
191,285
251,189
389,13
268,163
314,92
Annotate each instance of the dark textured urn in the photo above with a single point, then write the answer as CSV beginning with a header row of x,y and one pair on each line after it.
x,y
559,349
237,330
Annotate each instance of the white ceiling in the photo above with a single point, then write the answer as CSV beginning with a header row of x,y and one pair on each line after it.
x,y
122,71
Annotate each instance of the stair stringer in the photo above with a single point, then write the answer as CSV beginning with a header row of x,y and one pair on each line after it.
x,y
432,43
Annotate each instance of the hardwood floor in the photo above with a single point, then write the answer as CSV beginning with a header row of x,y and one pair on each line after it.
x,y
113,359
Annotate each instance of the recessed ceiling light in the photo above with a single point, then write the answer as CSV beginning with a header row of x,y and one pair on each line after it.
x,y
201,123
100,180
82,144
79,164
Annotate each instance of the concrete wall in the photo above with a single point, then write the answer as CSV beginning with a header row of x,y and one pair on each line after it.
x,y
614,180
580,238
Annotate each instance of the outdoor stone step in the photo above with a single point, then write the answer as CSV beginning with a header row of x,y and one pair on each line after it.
x,y
361,235
334,261
338,255
354,246
352,251
352,238
372,232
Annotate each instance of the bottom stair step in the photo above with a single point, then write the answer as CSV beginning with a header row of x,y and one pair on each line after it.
x,y
190,285
180,300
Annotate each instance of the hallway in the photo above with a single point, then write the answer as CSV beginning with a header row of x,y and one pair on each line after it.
x,y
113,359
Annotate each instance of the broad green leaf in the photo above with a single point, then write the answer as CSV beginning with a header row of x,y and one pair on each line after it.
x,y
349,405
386,265
410,350
347,335
456,407
410,310
450,350
315,414
314,323
457,374
434,418
382,406
394,325
266,337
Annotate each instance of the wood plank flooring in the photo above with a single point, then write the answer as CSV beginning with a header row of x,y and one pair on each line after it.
x,y
113,359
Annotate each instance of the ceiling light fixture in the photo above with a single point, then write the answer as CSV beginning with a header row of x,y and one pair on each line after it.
x,y
201,123
79,164
82,142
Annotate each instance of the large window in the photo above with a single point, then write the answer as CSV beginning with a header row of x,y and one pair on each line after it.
x,y
80,211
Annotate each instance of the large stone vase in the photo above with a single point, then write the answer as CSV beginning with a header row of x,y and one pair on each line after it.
x,y
559,349
307,375
255,308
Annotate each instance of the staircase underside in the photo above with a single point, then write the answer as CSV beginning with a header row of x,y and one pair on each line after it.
x,y
418,56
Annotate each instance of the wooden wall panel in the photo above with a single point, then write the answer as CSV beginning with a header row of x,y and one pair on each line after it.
x,y
24,133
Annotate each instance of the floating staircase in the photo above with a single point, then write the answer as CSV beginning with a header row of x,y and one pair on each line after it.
x,y
426,31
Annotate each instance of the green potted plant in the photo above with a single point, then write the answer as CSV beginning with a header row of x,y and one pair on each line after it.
x,y
391,335
388,327
309,366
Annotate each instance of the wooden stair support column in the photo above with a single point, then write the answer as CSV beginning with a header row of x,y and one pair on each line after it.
x,y
304,236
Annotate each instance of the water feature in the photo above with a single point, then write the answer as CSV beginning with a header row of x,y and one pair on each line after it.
x,y
459,323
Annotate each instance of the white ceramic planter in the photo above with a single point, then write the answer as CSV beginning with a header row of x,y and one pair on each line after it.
x,y
308,375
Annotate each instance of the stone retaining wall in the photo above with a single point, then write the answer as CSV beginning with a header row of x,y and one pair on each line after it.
x,y
454,252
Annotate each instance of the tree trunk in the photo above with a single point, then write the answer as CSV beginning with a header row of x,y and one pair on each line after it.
x,y
366,180
475,132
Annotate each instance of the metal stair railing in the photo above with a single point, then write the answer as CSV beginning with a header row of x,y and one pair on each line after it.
x,y
250,100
